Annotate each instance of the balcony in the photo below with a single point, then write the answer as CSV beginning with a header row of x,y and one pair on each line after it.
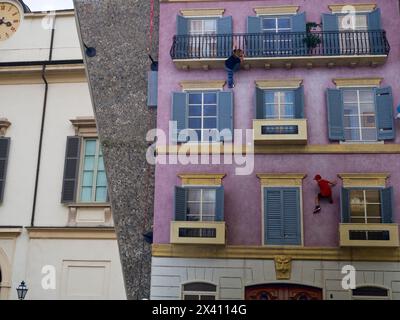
x,y
283,131
369,235
283,50
197,232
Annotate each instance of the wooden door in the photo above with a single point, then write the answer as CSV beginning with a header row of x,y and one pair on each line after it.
x,y
283,292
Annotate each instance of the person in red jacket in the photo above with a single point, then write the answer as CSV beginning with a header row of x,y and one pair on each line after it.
x,y
325,192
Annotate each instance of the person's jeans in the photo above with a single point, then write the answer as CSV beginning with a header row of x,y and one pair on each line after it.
x,y
230,73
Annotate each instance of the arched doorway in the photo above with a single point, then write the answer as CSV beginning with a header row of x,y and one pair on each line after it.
x,y
282,291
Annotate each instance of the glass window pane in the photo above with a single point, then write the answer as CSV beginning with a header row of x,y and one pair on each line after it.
x,y
208,218
270,97
369,134
367,96
368,122
367,108
283,23
101,194
195,123
210,98
287,111
193,208
209,209
86,194
100,166
210,111
196,26
90,147
101,179
87,179
269,23
208,195
210,123
373,196
194,195
195,98
351,122
350,96
357,220
210,135
373,210
361,22
287,97
352,134
271,111
351,109
194,110
89,163
210,25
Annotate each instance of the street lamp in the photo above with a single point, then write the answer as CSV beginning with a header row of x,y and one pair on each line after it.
x,y
22,290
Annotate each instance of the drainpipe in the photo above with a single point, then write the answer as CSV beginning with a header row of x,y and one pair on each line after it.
x,y
46,90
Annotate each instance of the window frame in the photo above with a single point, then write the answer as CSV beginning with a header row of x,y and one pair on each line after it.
x,y
278,90
276,17
365,216
199,293
388,297
202,188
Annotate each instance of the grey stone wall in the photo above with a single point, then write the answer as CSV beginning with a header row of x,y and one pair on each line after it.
x,y
118,29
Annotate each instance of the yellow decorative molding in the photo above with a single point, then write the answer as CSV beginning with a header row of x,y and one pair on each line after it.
x,y
358,7
364,179
276,10
202,12
357,82
283,267
7,233
281,179
202,85
85,126
345,228
4,124
299,138
201,179
218,226
262,252
71,233
279,84
280,149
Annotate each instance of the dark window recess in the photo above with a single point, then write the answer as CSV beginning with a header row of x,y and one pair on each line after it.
x,y
280,130
197,233
369,235
200,286
370,292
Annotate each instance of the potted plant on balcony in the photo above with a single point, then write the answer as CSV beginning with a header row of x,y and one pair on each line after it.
x,y
312,40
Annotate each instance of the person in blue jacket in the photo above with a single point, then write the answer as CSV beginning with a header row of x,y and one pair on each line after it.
x,y
232,64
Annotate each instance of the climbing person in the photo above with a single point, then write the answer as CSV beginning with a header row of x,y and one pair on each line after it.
x,y
232,64
325,191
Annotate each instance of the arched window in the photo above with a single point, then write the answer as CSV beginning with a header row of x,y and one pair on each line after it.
x,y
370,292
199,291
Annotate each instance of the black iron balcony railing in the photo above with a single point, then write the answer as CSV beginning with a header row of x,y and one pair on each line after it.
x,y
285,44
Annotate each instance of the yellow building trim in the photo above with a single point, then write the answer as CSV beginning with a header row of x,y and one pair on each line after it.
x,y
364,179
279,84
276,10
202,12
202,85
85,127
4,124
263,252
345,228
358,7
280,149
71,233
206,179
281,179
219,227
357,82
281,139
7,233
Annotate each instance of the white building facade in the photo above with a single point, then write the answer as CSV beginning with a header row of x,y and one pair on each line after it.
x,y
56,227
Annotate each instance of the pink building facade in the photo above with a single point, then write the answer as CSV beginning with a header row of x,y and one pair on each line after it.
x,y
318,100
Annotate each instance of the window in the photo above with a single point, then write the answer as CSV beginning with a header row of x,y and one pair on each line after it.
x,y
354,42
277,24
202,116
199,291
93,184
279,104
200,27
201,205
277,42
370,293
359,115
365,206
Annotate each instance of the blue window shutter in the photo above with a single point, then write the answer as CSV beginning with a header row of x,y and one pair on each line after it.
x,y
224,41
4,152
345,205
260,101
254,39
152,88
299,103
71,169
384,113
179,114
376,43
225,114
180,203
273,224
182,26
291,216
374,20
299,25
331,40
219,204
335,114
387,205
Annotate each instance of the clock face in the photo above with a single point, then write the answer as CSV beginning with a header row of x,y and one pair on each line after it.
x,y
10,20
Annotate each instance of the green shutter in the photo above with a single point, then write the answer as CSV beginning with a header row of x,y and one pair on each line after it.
x,y
254,37
299,103
384,113
71,170
299,25
374,20
182,39
331,39
291,216
219,204
225,114
224,37
345,205
273,224
4,153
260,102
182,26
387,205
180,203
335,114
375,38
179,115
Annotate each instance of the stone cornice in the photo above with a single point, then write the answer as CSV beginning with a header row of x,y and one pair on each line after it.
x,y
357,82
209,179
202,84
276,10
4,124
359,7
278,84
202,12
85,126
71,233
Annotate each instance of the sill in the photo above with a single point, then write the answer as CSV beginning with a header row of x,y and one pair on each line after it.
x,y
362,142
89,205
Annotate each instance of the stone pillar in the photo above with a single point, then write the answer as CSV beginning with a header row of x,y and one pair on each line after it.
x,y
118,30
